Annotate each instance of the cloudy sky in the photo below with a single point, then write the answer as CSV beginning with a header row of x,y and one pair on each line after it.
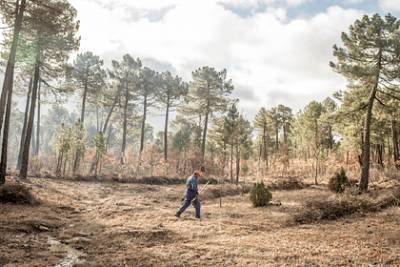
x,y
276,51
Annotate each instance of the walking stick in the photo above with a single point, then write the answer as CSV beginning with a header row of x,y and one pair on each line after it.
x,y
204,187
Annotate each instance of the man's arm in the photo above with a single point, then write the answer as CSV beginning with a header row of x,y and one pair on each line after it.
x,y
194,184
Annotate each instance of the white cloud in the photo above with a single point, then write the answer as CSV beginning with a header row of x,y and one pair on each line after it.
x,y
390,5
297,2
275,59
279,61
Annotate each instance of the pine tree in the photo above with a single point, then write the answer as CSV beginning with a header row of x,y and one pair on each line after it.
x,y
368,59
171,93
262,125
209,93
126,74
50,31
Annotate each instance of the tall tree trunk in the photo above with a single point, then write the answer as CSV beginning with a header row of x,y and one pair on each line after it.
x,y
110,112
379,155
109,136
330,145
223,160
237,164
97,119
276,135
109,116
125,125
33,138
25,155
83,110
95,162
199,133
265,146
395,141
23,134
143,124
284,133
79,154
9,74
231,164
366,149
37,146
166,130
7,90
204,138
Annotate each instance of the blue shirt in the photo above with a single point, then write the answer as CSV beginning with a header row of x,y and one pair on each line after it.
x,y
191,184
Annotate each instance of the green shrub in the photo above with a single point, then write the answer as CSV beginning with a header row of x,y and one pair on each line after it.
x,y
339,182
260,196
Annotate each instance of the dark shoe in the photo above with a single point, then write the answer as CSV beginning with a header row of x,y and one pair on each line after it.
x,y
177,215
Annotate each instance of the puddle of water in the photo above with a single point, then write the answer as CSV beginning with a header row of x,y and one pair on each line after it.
x,y
73,256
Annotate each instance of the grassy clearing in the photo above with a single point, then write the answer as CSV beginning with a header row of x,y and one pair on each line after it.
x,y
115,224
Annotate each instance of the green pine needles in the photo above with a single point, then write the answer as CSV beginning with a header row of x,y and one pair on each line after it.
x,y
260,196
339,181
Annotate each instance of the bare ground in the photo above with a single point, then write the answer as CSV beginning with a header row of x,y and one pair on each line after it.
x,y
106,224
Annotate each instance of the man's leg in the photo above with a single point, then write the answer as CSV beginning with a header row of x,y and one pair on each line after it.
x,y
197,206
185,205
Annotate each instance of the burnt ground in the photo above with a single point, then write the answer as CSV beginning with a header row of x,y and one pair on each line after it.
x,y
114,224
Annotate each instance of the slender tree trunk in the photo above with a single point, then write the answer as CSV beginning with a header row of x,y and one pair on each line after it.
x,y
23,134
178,161
97,119
366,149
379,155
237,164
59,162
316,171
166,130
25,155
265,146
79,154
395,141
330,145
85,89
284,133
204,138
143,124
9,74
231,163
6,95
33,138
125,125
109,136
199,130
37,146
184,160
276,135
110,113
4,148
223,160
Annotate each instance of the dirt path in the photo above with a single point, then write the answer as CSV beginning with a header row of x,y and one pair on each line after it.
x,y
94,224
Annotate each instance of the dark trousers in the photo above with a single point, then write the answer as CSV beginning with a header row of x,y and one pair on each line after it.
x,y
190,198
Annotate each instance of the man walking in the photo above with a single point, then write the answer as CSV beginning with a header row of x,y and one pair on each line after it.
x,y
191,195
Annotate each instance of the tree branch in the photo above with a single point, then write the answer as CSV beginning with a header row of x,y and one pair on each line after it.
x,y
389,94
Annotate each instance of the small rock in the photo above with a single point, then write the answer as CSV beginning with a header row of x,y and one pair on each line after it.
x,y
43,228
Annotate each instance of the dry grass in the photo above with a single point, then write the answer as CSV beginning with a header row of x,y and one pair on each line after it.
x,y
338,206
133,225
287,184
